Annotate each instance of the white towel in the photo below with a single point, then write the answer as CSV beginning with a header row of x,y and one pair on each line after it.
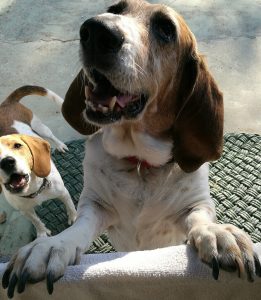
x,y
167,273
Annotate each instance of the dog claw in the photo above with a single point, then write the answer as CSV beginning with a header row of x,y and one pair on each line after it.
x,y
22,282
250,271
49,283
11,286
250,275
6,277
61,147
237,269
50,280
215,268
257,265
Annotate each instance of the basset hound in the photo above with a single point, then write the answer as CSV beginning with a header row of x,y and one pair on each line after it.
x,y
27,174
160,114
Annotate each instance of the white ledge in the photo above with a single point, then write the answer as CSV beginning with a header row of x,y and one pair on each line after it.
x,y
167,273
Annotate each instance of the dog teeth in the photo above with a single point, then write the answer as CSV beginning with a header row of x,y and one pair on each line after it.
x,y
86,89
102,108
113,102
90,104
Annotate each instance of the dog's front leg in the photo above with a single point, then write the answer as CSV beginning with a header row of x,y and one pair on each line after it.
x,y
221,245
48,257
67,201
41,230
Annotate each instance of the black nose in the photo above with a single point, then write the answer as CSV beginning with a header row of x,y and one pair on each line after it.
x,y
99,39
7,164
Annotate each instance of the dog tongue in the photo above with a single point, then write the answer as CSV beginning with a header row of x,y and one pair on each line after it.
x,y
123,100
17,180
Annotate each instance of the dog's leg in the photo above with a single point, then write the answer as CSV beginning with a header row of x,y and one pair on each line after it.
x,y
67,201
46,132
41,230
221,245
49,257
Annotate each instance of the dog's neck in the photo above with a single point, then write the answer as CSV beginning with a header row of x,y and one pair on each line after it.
x,y
34,186
45,184
126,141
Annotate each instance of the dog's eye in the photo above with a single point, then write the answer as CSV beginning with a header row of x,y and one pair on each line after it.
x,y
17,146
117,8
163,28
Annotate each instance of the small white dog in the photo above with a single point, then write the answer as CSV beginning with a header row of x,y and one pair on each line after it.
x,y
27,174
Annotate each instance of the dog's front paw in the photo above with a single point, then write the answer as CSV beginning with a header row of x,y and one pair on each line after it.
x,y
61,147
44,233
72,217
43,258
225,246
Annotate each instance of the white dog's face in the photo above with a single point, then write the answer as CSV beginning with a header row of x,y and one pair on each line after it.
x,y
130,56
18,161
143,74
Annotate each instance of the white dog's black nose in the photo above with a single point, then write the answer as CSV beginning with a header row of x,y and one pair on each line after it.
x,y
100,42
7,164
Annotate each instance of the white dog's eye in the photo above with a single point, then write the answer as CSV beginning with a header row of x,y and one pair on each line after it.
x,y
163,28
118,8
17,146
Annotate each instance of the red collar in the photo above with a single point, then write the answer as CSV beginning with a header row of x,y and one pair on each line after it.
x,y
143,163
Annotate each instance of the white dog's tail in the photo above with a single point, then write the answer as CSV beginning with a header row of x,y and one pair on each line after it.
x,y
28,90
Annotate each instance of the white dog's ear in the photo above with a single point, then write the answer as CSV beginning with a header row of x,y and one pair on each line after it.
x,y
198,127
41,154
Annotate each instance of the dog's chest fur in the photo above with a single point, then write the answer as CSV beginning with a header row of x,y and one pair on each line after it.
x,y
147,208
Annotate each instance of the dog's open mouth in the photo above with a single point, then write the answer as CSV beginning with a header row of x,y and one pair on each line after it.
x,y
106,104
17,182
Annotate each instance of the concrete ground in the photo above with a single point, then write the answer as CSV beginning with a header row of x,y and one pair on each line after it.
x,y
39,44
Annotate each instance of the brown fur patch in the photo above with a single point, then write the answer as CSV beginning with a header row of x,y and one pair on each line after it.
x,y
23,91
41,153
74,105
11,109
11,112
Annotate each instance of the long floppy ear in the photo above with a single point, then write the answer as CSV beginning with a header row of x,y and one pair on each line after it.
x,y
41,153
74,105
198,129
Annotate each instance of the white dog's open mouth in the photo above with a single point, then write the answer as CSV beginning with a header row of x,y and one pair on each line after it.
x,y
106,104
17,182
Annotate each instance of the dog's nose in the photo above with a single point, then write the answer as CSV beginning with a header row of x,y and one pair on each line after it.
x,y
99,38
7,164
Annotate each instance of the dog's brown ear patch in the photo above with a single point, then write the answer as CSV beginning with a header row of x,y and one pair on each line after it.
x,y
41,154
74,106
198,129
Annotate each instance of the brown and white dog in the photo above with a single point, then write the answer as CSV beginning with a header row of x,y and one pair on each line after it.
x,y
145,171
27,174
